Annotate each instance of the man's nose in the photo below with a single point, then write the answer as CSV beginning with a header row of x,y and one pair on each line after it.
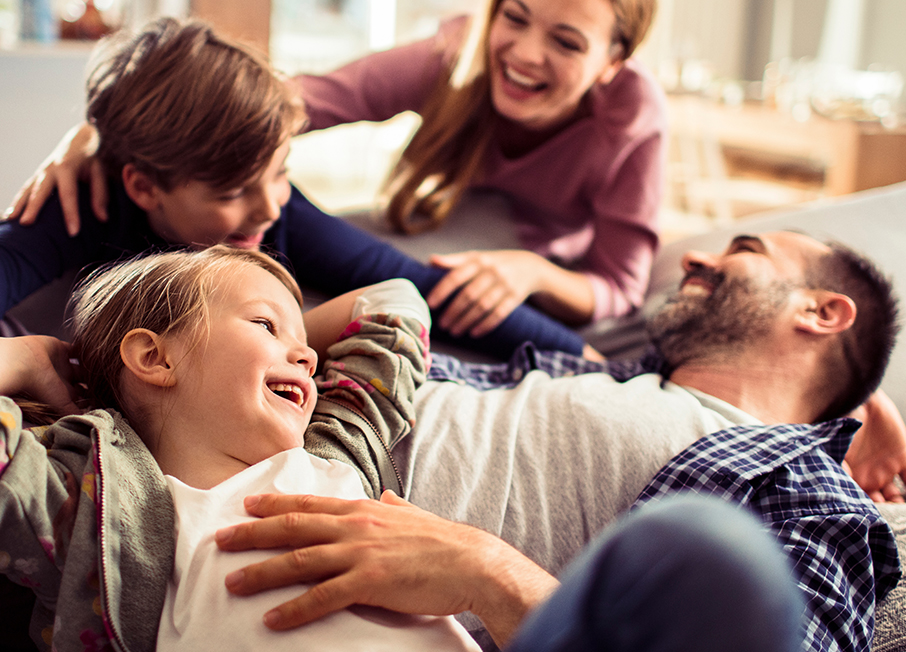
x,y
698,259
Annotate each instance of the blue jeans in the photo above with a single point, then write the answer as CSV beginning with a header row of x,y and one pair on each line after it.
x,y
689,573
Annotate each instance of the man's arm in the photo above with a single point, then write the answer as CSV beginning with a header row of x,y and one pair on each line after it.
x,y
877,455
386,553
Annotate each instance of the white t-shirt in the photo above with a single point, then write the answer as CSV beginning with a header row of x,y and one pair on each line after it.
x,y
200,614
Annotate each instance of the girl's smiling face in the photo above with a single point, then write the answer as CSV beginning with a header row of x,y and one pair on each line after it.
x,y
544,55
248,380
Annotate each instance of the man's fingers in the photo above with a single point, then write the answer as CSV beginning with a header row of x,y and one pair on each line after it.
x,y
299,566
276,504
284,531
322,599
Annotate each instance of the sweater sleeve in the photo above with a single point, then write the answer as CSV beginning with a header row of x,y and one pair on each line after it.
x,y
367,390
380,85
624,189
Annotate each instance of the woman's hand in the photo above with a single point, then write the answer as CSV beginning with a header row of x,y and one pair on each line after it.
x,y
491,284
73,158
385,553
877,455
38,366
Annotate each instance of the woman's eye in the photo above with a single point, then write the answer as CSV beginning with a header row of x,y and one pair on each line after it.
x,y
514,18
566,44
232,195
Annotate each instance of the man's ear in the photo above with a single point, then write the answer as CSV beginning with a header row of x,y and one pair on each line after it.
x,y
140,188
826,312
145,354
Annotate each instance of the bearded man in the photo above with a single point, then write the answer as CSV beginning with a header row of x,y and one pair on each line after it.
x,y
760,356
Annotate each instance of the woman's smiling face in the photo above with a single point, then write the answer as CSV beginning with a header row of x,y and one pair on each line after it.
x,y
544,55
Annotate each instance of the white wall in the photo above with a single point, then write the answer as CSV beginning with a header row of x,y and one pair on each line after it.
x,y
41,96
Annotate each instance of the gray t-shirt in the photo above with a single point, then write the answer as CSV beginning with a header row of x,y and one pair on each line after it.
x,y
548,464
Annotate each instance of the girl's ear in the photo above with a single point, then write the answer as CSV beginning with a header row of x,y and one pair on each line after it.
x,y
827,313
140,188
145,354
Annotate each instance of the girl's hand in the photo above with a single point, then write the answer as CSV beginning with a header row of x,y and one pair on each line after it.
x,y
386,553
491,284
38,366
877,455
73,158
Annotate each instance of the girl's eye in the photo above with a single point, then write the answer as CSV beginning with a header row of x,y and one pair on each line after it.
x,y
267,324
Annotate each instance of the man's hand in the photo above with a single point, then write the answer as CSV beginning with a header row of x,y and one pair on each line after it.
x,y
38,366
73,158
877,454
385,553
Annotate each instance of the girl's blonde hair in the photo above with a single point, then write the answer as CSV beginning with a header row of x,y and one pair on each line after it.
x,y
180,102
459,120
166,293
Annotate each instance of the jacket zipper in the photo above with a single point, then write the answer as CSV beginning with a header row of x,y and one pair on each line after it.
x,y
386,448
105,594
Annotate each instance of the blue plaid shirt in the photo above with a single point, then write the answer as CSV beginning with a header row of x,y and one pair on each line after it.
x,y
843,553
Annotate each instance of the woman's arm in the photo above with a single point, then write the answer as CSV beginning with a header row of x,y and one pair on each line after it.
x,y
379,86
389,554
73,158
332,256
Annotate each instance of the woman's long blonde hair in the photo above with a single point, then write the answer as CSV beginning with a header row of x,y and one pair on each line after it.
x,y
458,122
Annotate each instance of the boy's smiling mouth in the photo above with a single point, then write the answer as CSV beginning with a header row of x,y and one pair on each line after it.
x,y
289,391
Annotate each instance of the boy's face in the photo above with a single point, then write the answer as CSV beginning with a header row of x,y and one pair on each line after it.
x,y
248,384
194,212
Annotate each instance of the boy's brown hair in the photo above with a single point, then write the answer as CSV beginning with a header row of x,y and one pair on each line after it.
x,y
180,102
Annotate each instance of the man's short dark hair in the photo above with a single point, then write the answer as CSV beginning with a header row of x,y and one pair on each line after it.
x,y
866,347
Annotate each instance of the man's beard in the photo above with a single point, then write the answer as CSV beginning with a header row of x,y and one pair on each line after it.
x,y
736,314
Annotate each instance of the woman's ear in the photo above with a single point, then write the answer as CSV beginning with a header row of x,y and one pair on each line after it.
x,y
140,188
827,312
145,354
610,71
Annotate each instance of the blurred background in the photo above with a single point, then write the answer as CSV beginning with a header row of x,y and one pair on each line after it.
x,y
772,102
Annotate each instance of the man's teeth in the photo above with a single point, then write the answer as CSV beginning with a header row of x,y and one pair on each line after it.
x,y
289,392
522,80
695,289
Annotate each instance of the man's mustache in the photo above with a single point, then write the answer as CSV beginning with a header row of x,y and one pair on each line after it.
x,y
708,276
